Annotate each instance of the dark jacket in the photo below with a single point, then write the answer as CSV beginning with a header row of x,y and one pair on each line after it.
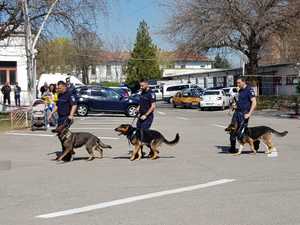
x,y
6,89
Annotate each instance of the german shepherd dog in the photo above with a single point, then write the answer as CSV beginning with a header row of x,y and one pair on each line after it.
x,y
71,140
151,138
254,134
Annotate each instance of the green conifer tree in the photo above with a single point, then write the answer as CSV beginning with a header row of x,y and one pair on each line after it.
x,y
143,63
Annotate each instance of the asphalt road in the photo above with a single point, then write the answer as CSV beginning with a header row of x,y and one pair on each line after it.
x,y
195,182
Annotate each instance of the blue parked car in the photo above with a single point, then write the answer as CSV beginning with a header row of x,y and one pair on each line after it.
x,y
101,99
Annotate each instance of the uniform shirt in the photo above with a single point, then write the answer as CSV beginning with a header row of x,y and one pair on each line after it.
x,y
244,99
146,99
65,102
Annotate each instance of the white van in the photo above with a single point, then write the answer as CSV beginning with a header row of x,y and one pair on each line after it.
x,y
170,90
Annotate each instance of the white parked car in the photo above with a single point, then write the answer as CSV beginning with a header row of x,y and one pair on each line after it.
x,y
214,99
158,94
231,92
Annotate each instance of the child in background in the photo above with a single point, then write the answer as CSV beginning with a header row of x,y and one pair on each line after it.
x,y
50,110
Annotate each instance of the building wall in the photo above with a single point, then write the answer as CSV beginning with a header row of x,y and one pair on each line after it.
x,y
13,50
111,72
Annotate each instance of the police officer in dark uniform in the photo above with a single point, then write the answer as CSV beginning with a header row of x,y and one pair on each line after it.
x,y
66,104
246,104
146,107
66,108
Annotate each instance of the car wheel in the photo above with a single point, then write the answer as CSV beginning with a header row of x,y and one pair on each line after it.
x,y
82,110
131,111
171,100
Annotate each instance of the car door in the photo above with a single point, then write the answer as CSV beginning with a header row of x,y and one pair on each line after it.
x,y
113,102
97,100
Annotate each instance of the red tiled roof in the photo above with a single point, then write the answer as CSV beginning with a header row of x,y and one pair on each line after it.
x,y
183,56
106,56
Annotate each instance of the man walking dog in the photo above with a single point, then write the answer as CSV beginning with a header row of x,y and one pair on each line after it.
x,y
66,108
146,107
246,105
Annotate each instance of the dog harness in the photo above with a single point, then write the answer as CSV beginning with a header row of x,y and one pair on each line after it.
x,y
67,135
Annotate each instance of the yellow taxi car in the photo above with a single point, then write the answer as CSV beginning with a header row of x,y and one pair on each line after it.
x,y
188,98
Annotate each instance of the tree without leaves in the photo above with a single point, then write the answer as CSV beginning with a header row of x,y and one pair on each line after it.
x,y
87,51
143,63
242,25
67,13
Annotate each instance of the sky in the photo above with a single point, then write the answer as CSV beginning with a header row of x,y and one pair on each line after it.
x,y
124,18
118,29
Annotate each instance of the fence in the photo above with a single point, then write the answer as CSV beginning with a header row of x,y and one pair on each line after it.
x,y
19,116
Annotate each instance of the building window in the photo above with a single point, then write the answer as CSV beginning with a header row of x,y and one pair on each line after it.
x,y
277,80
2,77
12,77
8,72
182,66
93,70
8,75
108,71
291,80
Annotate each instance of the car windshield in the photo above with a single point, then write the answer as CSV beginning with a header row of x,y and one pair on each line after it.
x,y
212,93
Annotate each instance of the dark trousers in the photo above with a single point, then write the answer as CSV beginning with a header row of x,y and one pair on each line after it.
x,y
239,119
18,100
61,120
6,98
145,124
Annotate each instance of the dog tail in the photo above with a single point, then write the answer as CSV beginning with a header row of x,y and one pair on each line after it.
x,y
280,134
174,142
102,145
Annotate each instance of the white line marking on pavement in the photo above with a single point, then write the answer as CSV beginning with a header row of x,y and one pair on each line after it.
x,y
162,113
109,138
133,199
217,125
26,134
50,135
182,118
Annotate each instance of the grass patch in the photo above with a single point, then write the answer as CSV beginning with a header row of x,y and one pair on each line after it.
x,y
4,123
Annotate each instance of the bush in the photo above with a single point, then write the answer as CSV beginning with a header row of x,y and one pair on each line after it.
x,y
110,84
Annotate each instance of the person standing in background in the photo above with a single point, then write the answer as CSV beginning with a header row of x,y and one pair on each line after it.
x,y
6,89
17,92
44,88
70,86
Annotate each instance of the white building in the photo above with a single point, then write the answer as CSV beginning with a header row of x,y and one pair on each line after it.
x,y
178,62
13,63
111,68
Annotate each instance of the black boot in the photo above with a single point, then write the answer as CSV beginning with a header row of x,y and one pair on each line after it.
x,y
232,144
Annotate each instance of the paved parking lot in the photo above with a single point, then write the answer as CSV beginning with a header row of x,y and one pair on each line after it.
x,y
195,182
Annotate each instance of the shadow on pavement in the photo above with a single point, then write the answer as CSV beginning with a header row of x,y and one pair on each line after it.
x,y
226,150
128,157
